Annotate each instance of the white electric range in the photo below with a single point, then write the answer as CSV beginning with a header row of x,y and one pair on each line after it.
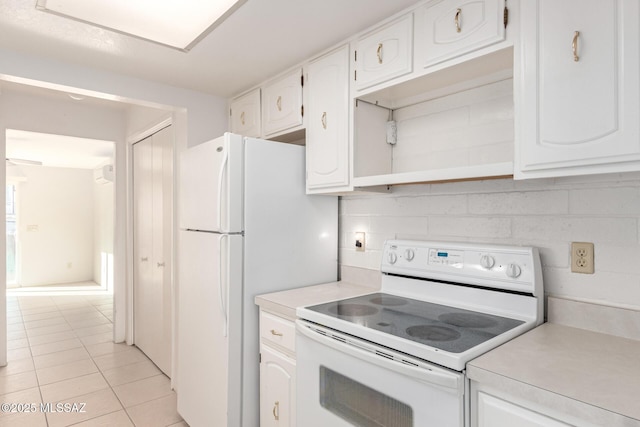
x,y
397,357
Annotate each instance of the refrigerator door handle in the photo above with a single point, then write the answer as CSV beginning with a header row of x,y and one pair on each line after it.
x,y
222,282
220,178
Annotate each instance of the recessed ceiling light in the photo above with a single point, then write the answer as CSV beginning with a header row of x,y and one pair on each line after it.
x,y
180,24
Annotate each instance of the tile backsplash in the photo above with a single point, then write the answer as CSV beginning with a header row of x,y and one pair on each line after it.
x,y
546,213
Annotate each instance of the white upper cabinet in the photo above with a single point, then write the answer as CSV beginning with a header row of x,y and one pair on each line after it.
x,y
384,53
577,98
328,121
245,114
282,103
451,28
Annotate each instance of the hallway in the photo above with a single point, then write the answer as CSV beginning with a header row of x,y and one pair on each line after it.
x,y
60,349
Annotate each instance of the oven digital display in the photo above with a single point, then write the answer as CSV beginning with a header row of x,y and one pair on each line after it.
x,y
446,258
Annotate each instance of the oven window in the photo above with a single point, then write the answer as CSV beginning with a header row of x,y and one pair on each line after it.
x,y
361,405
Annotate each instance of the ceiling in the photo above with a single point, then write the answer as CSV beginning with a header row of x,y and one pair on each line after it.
x,y
57,150
261,39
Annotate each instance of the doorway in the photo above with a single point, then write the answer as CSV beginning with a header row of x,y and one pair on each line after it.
x,y
60,212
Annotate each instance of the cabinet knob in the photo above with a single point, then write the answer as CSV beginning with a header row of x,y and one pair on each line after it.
x,y
456,20
144,259
276,411
323,119
279,103
160,264
574,46
379,53
276,333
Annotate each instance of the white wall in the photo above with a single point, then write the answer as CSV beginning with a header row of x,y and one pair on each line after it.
x,y
103,233
55,225
549,214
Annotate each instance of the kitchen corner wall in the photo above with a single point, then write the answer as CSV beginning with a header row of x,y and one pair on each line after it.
x,y
546,213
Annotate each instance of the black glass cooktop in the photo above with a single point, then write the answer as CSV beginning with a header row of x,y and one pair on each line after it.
x,y
446,328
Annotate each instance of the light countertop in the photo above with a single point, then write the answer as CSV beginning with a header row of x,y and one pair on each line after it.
x,y
286,302
592,368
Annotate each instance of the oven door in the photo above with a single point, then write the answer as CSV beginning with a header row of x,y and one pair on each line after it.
x,y
343,381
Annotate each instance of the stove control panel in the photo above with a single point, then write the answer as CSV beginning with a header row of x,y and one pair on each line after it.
x,y
505,267
445,257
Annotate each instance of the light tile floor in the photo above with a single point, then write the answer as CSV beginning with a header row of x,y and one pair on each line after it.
x,y
60,350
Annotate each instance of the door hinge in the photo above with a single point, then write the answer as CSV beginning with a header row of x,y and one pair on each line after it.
x,y
355,75
302,80
260,357
230,112
302,110
505,16
355,55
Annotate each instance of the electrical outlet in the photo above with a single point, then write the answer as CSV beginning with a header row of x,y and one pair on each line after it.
x,y
360,242
582,257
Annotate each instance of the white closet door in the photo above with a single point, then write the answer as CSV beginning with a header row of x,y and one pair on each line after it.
x,y
153,189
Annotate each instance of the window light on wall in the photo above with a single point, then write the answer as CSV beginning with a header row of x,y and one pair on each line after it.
x,y
180,24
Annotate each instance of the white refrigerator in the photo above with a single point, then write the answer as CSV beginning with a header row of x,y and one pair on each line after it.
x,y
246,228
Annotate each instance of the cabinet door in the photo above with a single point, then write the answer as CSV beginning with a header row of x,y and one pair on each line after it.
x,y
451,28
578,93
282,103
384,54
494,412
245,114
328,121
277,389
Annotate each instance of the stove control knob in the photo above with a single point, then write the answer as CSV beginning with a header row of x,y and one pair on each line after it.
x,y
487,261
409,254
392,257
513,271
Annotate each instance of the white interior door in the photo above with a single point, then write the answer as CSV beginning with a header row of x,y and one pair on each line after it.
x,y
153,219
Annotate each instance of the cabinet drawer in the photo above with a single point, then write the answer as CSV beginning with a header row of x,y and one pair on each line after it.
x,y
278,330
384,54
451,28
282,103
495,412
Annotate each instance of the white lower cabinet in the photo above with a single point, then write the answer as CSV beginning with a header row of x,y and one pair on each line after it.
x,y
277,389
277,371
496,412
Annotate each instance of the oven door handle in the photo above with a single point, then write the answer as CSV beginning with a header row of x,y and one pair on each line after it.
x,y
432,375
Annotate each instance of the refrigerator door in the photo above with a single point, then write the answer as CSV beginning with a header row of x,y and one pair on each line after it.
x,y
209,339
210,185
290,241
